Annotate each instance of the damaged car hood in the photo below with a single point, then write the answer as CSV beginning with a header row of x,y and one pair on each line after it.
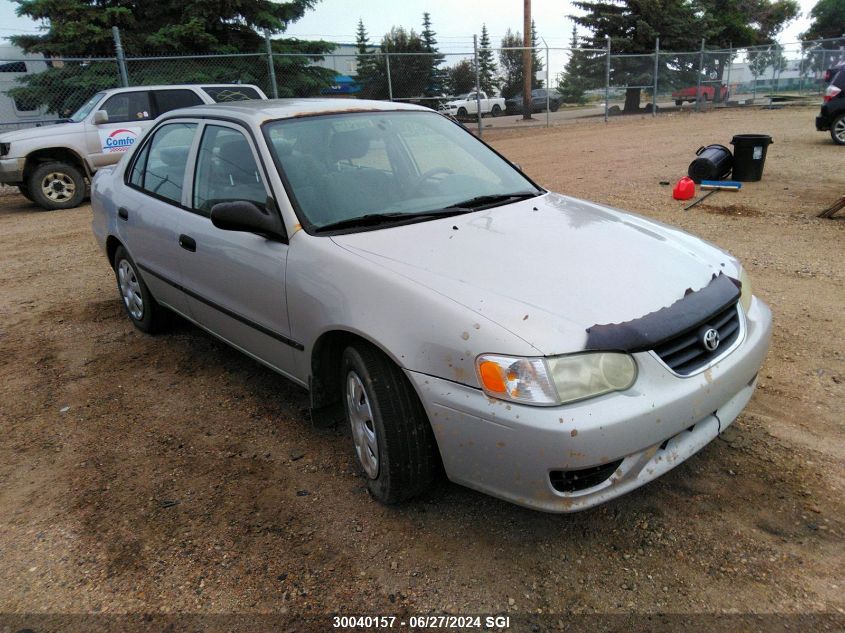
x,y
549,267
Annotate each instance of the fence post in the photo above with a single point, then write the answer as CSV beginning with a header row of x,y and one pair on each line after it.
x,y
477,83
270,65
656,66
121,60
548,86
728,80
389,80
820,84
607,82
698,85
801,74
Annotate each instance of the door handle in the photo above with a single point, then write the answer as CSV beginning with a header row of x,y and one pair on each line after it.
x,y
188,243
123,213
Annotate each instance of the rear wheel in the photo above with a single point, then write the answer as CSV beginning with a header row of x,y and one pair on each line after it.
x,y
837,129
679,102
496,110
393,440
56,185
145,314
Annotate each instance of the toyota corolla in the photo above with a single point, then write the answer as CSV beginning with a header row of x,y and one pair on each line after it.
x,y
457,316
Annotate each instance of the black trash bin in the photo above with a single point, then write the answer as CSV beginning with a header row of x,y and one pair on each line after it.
x,y
750,156
714,162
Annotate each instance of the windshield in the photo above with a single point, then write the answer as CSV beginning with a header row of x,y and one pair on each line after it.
x,y
388,164
83,112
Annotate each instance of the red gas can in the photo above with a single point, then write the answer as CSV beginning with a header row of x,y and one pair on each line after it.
x,y
684,190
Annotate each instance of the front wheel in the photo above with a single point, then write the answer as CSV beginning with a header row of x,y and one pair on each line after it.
x,y
462,113
679,102
837,130
393,440
25,192
56,185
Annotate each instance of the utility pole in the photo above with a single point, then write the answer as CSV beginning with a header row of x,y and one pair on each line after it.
x,y
526,60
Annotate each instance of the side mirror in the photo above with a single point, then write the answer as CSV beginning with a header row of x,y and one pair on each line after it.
x,y
243,215
100,117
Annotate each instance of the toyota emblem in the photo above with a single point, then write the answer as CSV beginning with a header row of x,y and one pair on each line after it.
x,y
710,339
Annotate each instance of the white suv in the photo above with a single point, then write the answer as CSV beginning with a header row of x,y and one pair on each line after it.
x,y
51,165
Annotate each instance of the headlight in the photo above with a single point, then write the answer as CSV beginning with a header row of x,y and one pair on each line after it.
x,y
745,290
556,380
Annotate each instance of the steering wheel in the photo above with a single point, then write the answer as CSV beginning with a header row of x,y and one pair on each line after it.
x,y
431,173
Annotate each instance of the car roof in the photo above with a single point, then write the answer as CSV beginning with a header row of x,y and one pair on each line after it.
x,y
258,112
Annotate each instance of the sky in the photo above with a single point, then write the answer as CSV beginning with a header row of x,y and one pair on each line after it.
x,y
453,21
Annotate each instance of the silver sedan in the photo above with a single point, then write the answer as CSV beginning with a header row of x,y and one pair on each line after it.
x,y
461,319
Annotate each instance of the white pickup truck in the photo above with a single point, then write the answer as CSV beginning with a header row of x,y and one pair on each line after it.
x,y
52,165
467,105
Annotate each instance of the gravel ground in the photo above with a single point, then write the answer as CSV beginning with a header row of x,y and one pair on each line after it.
x,y
171,474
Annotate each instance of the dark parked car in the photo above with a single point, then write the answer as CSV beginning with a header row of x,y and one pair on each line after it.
x,y
538,102
832,115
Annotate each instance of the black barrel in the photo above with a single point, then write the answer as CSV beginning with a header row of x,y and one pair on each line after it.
x,y
750,156
714,162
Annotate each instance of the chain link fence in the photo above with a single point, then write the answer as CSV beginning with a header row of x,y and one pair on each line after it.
x,y
571,83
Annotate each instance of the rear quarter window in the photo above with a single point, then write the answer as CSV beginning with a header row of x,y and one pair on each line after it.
x,y
224,94
167,100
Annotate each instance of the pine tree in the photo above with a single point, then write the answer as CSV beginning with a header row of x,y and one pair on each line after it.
x,y
436,75
461,78
536,65
368,74
573,81
487,68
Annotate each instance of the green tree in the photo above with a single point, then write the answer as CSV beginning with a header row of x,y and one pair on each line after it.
x,y
487,68
633,26
461,78
82,29
436,75
536,65
369,75
828,20
409,74
573,81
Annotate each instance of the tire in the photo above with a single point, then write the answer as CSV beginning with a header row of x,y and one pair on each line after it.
x,y
25,192
704,97
496,110
837,129
393,440
679,102
149,316
462,113
554,106
56,185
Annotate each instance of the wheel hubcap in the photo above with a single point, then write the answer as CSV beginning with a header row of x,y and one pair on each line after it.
x,y
130,290
58,186
363,427
839,129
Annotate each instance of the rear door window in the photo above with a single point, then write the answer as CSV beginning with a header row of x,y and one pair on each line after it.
x,y
128,106
167,100
160,167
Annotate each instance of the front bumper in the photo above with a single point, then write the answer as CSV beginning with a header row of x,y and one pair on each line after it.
x,y
509,450
11,170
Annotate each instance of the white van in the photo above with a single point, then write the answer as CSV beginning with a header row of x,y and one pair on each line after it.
x,y
16,113
52,165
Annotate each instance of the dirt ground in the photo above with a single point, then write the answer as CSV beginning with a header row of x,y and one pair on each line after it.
x,y
171,474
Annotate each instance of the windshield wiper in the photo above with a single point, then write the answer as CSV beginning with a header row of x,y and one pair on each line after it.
x,y
375,219
492,200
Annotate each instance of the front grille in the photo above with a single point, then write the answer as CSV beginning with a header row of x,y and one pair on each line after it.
x,y
685,352
575,480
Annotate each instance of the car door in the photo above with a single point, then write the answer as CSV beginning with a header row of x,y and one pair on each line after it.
x,y
130,115
151,209
235,280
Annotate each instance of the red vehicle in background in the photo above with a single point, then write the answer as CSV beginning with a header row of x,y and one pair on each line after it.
x,y
708,93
